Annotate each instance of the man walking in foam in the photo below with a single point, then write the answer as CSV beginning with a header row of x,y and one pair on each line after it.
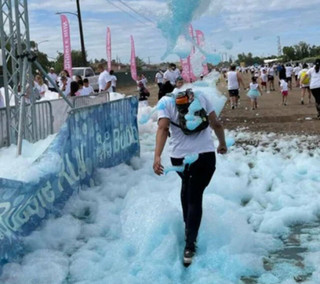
x,y
196,176
234,81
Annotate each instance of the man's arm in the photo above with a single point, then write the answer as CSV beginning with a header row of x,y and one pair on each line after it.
x,y
161,138
219,131
107,86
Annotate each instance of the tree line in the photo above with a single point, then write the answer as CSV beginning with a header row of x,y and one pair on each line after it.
x,y
298,52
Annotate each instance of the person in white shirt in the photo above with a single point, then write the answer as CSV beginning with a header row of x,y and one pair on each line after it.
x,y
64,73
296,71
41,86
305,83
171,74
113,81
53,76
284,91
254,93
64,86
314,75
159,78
87,88
264,79
195,176
289,71
270,73
234,81
104,79
159,81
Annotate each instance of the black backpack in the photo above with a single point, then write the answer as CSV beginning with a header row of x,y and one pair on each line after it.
x,y
182,104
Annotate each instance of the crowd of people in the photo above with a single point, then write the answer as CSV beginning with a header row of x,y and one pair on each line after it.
x,y
76,85
301,75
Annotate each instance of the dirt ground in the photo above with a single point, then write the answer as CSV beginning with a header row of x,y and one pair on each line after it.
x,y
271,115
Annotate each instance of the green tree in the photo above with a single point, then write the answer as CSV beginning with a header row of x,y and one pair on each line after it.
x,y
302,50
139,63
76,57
288,53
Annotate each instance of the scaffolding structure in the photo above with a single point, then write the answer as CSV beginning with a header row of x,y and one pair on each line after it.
x,y
17,72
17,59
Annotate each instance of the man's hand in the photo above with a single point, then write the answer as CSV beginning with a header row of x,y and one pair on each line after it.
x,y
157,167
222,149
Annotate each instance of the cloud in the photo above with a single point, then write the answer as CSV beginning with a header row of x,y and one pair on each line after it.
x,y
220,21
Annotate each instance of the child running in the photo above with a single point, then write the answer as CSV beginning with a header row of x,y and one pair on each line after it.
x,y
264,79
284,91
254,92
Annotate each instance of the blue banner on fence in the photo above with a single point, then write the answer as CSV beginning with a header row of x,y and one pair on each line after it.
x,y
98,136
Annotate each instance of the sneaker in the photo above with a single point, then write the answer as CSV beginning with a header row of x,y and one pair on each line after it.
x,y
187,256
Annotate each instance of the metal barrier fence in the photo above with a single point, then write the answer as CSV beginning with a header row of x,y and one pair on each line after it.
x,y
94,99
50,116
44,127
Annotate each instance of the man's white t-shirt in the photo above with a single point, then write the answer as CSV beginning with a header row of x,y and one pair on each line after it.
x,y
270,71
314,78
86,91
113,81
104,78
159,78
233,83
289,71
296,70
180,144
171,75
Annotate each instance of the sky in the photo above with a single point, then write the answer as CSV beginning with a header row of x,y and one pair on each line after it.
x,y
230,27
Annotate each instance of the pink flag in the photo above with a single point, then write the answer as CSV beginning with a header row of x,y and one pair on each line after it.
x,y
67,63
109,48
192,77
192,38
133,61
200,42
185,65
